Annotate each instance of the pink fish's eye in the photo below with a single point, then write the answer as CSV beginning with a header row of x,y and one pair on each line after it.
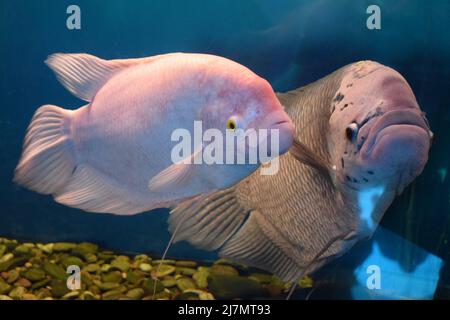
x,y
231,124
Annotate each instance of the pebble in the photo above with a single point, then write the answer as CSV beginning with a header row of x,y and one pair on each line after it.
x,y
38,271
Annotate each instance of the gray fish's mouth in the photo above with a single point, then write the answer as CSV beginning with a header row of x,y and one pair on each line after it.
x,y
386,123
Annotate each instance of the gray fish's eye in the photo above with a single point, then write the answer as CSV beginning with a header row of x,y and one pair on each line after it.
x,y
351,131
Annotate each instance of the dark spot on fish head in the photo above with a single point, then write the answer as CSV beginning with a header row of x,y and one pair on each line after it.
x,y
338,97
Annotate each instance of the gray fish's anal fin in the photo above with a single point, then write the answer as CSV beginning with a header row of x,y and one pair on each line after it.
x,y
84,74
253,246
208,221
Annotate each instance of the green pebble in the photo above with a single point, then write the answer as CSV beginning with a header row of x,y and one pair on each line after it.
x,y
55,271
47,248
71,295
58,288
13,275
43,293
121,263
10,264
6,257
92,268
169,282
71,260
157,262
186,271
188,296
2,250
164,270
113,276
90,257
105,267
112,295
221,269
84,248
87,295
202,295
261,277
232,287
149,285
40,284
134,277
106,255
17,292
106,286
201,278
189,264
22,250
146,267
186,284
135,294
63,246
142,257
34,274
4,287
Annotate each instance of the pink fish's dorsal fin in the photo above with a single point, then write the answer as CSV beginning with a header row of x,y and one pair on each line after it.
x,y
84,74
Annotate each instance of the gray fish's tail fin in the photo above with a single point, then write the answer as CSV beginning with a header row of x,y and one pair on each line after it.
x,y
48,158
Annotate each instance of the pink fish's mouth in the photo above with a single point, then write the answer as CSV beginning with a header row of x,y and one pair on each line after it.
x,y
277,121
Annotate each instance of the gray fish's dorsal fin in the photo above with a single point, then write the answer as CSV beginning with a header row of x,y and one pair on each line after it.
x,y
287,97
208,221
305,155
84,74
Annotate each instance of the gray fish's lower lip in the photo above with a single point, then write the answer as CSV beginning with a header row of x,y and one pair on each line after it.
x,y
397,117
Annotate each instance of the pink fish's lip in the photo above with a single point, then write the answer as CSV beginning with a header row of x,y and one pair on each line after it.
x,y
286,132
280,121
391,118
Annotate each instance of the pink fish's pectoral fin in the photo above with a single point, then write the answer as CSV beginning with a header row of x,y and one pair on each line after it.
x,y
176,175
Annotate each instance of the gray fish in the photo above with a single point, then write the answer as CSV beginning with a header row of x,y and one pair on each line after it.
x,y
361,138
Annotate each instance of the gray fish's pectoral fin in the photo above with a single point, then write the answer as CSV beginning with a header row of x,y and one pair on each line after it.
x,y
177,174
84,74
305,155
208,221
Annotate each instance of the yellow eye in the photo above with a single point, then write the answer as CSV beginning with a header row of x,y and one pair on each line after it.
x,y
231,124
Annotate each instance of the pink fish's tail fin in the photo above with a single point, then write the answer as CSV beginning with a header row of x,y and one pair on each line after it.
x,y
48,157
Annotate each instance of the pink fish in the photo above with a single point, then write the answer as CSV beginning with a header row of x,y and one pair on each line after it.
x,y
113,155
